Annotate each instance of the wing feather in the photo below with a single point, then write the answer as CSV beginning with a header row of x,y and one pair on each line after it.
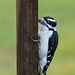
x,y
52,45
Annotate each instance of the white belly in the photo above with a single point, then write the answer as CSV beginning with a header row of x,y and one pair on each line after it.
x,y
43,47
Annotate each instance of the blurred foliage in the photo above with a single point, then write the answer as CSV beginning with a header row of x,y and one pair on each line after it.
x,y
63,11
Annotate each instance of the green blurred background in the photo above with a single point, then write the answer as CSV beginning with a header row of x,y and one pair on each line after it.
x,y
8,37
63,11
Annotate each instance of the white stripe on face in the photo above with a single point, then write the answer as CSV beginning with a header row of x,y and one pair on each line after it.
x,y
51,20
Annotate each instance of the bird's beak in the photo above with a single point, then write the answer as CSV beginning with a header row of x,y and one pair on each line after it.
x,y
39,20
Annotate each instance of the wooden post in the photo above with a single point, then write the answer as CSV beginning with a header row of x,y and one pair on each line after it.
x,y
27,28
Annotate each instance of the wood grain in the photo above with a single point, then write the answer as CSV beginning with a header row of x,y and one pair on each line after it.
x,y
27,28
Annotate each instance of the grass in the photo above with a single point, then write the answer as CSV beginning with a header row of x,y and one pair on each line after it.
x,y
63,11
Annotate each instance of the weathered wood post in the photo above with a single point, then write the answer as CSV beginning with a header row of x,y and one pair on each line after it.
x,y
27,28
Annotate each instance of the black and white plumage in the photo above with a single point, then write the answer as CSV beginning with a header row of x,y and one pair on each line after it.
x,y
48,42
53,42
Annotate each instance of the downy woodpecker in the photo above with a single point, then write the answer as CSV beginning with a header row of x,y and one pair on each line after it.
x,y
48,41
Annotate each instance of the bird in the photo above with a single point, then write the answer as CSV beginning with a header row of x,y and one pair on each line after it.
x,y
47,42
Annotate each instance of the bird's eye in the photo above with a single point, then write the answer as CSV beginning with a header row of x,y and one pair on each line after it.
x,y
48,22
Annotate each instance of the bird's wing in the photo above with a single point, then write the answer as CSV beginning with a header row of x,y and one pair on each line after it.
x,y
53,42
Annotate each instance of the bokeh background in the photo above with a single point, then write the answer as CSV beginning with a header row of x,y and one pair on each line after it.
x,y
8,37
63,11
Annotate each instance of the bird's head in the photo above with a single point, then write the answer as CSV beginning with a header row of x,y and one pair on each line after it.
x,y
47,23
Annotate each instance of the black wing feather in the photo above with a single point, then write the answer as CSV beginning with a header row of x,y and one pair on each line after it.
x,y
53,42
